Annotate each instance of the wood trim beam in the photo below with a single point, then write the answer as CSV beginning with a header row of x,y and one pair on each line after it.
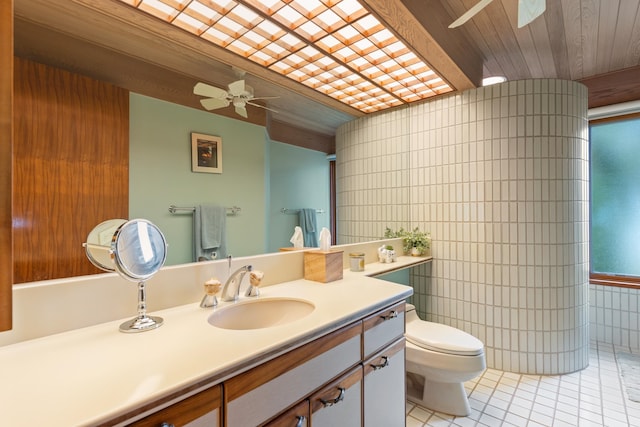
x,y
613,88
410,20
284,132
6,161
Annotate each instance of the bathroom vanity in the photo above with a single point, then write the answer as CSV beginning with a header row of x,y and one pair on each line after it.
x,y
348,353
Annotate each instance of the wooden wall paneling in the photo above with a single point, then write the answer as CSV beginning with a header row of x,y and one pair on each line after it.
x,y
573,29
524,38
623,43
6,161
608,16
589,14
71,160
554,20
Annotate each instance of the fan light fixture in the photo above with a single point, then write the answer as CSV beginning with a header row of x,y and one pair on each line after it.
x,y
488,81
336,47
239,95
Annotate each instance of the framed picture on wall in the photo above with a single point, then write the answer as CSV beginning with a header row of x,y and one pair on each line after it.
x,y
206,153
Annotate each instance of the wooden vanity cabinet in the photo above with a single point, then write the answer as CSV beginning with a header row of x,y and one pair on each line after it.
x,y
199,410
351,377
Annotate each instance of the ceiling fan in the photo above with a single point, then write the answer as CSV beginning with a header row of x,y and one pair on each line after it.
x,y
239,94
528,10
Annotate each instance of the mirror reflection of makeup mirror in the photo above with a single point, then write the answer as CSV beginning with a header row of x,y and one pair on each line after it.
x,y
136,249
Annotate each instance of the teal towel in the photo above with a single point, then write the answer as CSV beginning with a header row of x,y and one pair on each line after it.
x,y
210,234
307,218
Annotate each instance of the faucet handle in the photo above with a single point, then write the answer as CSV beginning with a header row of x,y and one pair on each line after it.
x,y
255,277
255,280
211,289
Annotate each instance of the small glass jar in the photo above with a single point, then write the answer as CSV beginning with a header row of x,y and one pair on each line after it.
x,y
356,261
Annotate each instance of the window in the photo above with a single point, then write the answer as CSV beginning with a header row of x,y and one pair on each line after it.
x,y
615,200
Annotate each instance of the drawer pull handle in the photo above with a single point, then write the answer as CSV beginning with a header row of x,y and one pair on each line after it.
x,y
334,401
392,315
166,424
301,420
384,364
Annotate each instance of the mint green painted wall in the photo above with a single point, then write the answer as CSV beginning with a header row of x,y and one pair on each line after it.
x,y
400,276
299,178
160,175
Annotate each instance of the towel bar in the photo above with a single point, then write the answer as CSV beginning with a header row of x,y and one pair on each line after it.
x,y
175,209
286,211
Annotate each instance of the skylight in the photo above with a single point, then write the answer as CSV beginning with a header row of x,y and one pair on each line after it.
x,y
335,47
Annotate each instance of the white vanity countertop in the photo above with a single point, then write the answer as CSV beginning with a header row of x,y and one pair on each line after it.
x,y
90,375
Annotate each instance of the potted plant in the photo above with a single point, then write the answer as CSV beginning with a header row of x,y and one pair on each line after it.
x,y
415,242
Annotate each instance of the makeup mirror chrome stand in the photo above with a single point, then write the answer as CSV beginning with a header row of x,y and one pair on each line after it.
x,y
136,249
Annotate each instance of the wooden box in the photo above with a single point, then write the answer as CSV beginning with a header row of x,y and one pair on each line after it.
x,y
323,266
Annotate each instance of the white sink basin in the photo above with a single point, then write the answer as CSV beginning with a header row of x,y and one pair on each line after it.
x,y
260,313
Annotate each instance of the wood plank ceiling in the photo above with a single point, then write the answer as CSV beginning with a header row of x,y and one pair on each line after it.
x,y
594,41
574,39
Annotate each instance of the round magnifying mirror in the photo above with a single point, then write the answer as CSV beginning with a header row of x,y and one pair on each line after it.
x,y
136,249
139,249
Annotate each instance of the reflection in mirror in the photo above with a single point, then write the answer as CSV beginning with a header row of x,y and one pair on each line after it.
x,y
136,249
98,245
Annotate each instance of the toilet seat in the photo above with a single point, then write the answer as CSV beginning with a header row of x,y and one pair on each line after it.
x,y
443,338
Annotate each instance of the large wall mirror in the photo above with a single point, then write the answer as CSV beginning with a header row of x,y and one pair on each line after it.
x,y
89,151
261,175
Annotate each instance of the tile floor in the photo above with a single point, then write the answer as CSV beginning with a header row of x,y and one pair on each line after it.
x,y
594,396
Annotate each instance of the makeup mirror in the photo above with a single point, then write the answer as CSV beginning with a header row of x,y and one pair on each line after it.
x,y
136,249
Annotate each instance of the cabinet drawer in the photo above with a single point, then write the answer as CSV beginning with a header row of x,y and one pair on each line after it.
x,y
261,393
384,387
202,409
298,416
340,403
383,328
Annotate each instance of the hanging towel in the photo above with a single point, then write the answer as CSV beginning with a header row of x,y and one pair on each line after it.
x,y
307,218
209,232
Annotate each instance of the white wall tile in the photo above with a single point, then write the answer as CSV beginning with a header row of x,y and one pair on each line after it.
x,y
499,176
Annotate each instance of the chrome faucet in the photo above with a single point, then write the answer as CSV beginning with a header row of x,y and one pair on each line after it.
x,y
231,289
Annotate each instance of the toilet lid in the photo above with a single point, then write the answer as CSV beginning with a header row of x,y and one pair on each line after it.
x,y
443,338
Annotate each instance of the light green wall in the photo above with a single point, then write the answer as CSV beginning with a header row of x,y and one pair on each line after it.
x,y
400,276
299,179
160,174
259,175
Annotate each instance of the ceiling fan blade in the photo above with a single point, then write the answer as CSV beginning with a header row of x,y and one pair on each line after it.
x,y
214,103
265,97
528,10
237,88
470,13
262,106
242,111
204,89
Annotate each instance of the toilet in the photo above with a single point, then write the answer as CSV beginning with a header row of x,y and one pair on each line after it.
x,y
439,359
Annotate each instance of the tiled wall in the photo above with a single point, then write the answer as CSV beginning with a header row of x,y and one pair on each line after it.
x,y
614,315
499,175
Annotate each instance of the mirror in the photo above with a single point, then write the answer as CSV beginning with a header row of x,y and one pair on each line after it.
x,y
136,249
